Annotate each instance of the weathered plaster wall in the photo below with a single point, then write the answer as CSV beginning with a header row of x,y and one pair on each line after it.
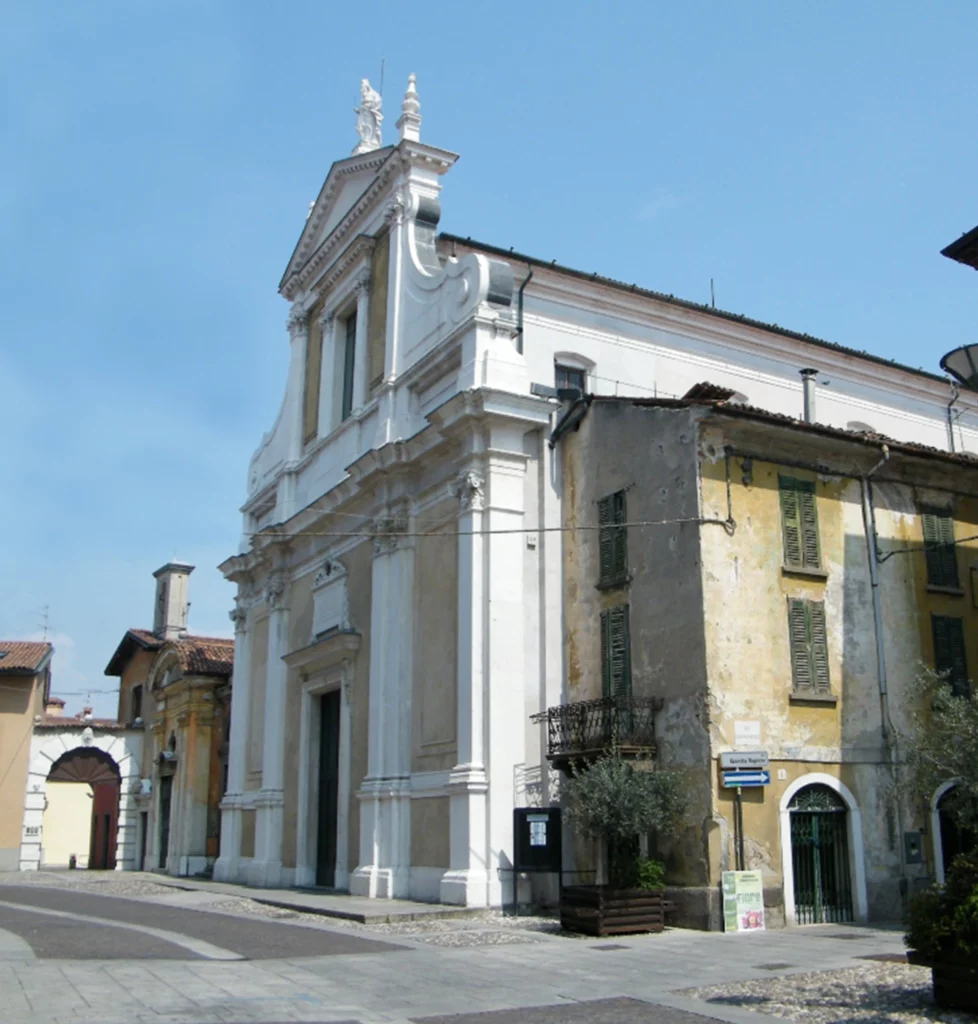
x,y
651,454
430,832
435,650
18,701
134,673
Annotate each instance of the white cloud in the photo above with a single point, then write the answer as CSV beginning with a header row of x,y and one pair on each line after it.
x,y
659,204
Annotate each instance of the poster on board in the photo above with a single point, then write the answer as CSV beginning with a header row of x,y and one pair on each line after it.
x,y
743,901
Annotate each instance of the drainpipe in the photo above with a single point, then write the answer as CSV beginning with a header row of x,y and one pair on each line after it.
x,y
808,388
955,392
519,310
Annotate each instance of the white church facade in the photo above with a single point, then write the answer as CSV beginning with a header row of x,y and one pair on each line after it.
x,y
400,606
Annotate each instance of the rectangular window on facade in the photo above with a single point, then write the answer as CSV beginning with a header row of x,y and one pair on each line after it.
x,y
612,539
616,656
809,647
799,523
949,651
313,372
939,550
137,703
569,377
349,357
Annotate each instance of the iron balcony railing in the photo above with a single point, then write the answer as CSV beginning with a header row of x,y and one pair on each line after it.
x,y
588,729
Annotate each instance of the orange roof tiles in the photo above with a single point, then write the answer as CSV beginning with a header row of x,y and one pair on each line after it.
x,y
23,656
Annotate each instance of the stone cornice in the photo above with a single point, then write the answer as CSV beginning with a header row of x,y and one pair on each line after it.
x,y
324,654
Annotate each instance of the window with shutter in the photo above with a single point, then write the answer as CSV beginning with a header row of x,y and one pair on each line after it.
x,y
612,540
939,550
808,641
799,523
949,653
349,357
616,659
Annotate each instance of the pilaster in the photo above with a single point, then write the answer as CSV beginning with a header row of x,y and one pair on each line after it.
x,y
265,870
385,799
327,392
360,358
228,863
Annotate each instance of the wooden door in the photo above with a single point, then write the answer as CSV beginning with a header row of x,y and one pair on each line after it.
x,y
329,765
105,815
166,792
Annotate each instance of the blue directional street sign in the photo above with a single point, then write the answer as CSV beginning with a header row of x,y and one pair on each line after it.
x,y
757,778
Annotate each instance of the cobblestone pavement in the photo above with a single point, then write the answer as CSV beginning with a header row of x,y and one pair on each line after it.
x,y
881,993
488,969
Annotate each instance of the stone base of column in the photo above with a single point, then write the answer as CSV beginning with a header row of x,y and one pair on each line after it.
x,y
227,865
385,840
465,887
265,870
264,874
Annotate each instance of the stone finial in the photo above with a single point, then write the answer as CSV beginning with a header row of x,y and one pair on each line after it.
x,y
369,119
409,123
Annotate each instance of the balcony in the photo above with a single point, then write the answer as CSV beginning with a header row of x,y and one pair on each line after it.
x,y
588,729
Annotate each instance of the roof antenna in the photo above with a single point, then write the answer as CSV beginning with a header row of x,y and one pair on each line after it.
x,y
713,298
381,77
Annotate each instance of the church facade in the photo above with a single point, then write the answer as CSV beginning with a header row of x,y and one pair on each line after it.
x,y
400,612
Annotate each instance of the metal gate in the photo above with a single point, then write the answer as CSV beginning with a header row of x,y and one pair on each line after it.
x,y
820,856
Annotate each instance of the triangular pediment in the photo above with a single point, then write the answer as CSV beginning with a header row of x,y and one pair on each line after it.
x,y
345,184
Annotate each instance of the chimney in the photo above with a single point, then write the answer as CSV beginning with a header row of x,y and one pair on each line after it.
x,y
86,714
172,584
54,707
808,387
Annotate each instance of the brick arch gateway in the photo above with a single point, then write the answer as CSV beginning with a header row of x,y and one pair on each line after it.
x,y
98,769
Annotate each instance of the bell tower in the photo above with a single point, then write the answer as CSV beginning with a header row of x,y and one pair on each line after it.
x,y
170,614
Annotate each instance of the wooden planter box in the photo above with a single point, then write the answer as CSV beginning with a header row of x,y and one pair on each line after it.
x,y
955,980
601,910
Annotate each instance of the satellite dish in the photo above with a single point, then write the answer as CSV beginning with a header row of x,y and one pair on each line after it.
x,y
962,365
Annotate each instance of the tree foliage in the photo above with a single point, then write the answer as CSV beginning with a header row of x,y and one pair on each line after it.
x,y
613,800
941,745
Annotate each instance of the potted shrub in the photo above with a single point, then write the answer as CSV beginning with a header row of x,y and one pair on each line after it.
x,y
942,933
616,802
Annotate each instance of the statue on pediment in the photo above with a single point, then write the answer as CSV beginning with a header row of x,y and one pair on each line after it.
x,y
369,118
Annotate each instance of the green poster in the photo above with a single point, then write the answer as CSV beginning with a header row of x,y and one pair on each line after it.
x,y
743,901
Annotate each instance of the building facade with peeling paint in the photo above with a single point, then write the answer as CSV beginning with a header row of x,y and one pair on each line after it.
x,y
738,575
402,590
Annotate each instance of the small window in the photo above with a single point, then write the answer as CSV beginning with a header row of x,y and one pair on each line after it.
x,y
809,647
949,654
799,523
616,655
612,540
570,377
349,357
939,550
137,703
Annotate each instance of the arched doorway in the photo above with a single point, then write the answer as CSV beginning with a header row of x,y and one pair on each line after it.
x,y
950,840
820,856
91,775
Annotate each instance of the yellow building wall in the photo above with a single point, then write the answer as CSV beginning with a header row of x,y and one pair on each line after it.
x,y
748,654
67,824
20,698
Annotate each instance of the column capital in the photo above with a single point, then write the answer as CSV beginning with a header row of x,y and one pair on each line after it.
x,y
396,209
469,488
388,531
276,587
363,281
298,320
326,319
239,616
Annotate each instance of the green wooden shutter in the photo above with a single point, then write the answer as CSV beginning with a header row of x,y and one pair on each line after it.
x,y
811,555
606,544
790,522
619,565
939,550
819,646
798,637
612,538
616,658
949,654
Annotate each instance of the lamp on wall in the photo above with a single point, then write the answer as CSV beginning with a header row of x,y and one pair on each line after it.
x,y
962,365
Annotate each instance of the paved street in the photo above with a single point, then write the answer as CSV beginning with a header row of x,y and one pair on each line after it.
x,y
75,954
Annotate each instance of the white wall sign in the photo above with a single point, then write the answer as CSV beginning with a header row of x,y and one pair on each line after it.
x,y
746,733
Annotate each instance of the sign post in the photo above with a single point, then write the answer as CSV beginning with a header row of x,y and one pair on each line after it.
x,y
743,901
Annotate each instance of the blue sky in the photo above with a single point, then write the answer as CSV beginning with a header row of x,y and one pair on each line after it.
x,y
159,159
